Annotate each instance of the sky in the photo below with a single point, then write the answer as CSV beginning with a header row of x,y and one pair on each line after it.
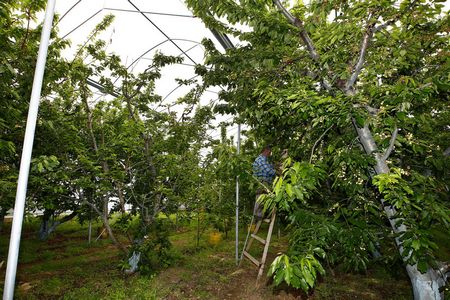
x,y
131,35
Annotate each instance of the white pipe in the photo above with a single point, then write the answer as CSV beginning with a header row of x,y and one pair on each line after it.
x,y
22,182
237,197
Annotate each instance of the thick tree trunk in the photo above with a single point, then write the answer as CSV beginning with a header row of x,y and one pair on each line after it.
x,y
47,227
3,212
43,229
425,286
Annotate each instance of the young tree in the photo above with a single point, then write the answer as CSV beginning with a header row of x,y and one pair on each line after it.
x,y
133,153
319,77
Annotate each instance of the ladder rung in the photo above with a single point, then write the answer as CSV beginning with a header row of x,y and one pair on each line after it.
x,y
263,241
253,260
267,220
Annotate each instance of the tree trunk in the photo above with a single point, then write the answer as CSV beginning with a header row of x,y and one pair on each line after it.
x,y
111,235
425,286
119,245
47,227
44,228
3,212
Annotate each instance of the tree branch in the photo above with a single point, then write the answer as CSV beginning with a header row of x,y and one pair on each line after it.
x,y
370,109
318,140
361,57
68,217
447,152
371,29
257,180
391,144
89,117
383,26
305,37
119,245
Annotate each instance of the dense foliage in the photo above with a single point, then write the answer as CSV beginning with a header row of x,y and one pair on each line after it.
x,y
321,77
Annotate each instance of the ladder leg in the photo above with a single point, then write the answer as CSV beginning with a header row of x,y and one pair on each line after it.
x,y
266,246
248,243
258,225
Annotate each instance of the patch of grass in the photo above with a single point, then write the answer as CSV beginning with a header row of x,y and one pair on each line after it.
x,y
84,292
76,250
67,267
375,285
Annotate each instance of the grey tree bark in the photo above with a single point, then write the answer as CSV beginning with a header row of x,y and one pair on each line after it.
x,y
425,286
48,226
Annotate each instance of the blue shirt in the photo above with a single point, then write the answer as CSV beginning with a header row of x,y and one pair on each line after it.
x,y
263,170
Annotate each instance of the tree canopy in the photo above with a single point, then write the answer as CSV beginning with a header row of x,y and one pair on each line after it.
x,y
358,93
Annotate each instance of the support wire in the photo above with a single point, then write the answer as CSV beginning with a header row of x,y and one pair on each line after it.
x,y
160,30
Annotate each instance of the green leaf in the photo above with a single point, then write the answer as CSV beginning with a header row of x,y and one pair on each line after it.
x,y
289,189
422,266
308,277
360,121
415,244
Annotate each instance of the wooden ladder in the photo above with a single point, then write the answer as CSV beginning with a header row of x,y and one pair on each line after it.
x,y
265,242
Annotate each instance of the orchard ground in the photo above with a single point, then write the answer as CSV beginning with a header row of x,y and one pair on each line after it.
x,y
67,267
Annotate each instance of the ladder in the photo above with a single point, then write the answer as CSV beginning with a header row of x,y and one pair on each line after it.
x,y
253,236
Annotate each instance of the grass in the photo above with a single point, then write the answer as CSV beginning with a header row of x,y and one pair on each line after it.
x,y
67,267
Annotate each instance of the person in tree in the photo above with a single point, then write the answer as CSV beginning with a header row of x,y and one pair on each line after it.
x,y
265,173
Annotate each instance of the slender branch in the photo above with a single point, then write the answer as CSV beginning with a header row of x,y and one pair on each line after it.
x,y
299,24
318,140
391,144
383,26
447,152
371,29
285,12
119,245
305,37
361,58
89,117
94,208
68,217
397,17
257,180
27,32
370,109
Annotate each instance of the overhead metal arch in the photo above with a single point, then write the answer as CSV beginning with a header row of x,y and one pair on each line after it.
x,y
159,44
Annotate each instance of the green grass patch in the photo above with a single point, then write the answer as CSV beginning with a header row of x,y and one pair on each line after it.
x,y
67,267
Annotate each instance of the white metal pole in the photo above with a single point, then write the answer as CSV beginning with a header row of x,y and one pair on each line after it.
x,y
90,227
237,197
22,182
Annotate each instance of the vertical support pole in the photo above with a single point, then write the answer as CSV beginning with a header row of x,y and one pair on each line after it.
x,y
237,197
90,232
90,227
226,44
22,182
